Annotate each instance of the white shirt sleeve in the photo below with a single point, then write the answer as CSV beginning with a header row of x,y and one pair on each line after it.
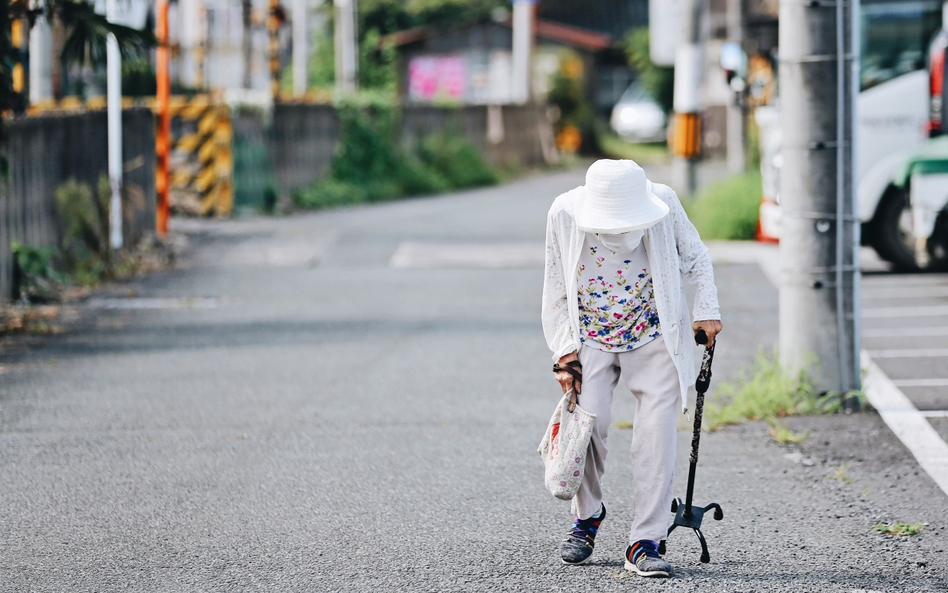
x,y
555,309
695,265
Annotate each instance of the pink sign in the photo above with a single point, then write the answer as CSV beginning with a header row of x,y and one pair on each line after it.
x,y
437,78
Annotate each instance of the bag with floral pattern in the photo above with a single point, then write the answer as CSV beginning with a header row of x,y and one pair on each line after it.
x,y
565,445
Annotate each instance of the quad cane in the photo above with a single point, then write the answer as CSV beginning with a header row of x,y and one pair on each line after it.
x,y
687,515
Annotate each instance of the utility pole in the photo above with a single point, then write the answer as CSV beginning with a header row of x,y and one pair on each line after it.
x,y
523,31
346,40
736,160
300,47
686,126
114,116
819,291
163,136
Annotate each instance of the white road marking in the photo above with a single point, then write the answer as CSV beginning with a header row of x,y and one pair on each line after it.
x,y
906,422
917,292
910,353
905,311
153,303
934,413
921,382
412,254
904,332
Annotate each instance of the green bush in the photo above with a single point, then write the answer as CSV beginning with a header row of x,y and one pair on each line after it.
x,y
84,217
728,209
457,160
35,278
370,164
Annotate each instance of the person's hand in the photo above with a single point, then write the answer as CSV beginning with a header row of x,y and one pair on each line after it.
x,y
565,379
712,327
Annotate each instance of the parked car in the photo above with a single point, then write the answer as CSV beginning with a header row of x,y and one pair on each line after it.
x,y
637,117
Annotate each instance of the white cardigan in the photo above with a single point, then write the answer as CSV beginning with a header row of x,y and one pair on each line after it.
x,y
675,251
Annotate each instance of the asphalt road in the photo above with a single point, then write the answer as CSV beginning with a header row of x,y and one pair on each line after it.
x,y
291,409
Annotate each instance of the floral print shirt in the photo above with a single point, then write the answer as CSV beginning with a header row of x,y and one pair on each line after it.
x,y
617,309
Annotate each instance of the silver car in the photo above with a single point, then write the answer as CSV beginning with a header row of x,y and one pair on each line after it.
x,y
637,117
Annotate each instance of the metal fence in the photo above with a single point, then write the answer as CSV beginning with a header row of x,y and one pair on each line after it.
x,y
47,150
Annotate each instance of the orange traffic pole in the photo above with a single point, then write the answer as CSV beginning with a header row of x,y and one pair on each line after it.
x,y
163,137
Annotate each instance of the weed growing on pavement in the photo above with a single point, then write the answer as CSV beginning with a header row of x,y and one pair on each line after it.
x,y
899,528
728,209
839,473
766,391
624,424
781,434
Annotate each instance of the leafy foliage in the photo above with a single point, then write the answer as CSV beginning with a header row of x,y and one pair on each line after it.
x,y
764,392
88,32
85,224
371,165
35,278
659,81
899,528
728,209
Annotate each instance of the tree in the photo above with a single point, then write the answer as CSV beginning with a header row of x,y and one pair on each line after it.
x,y
658,81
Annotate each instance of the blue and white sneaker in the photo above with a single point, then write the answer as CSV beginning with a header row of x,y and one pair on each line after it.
x,y
643,559
581,539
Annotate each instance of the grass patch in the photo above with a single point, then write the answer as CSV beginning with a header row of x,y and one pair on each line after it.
x,y
839,473
781,434
898,529
765,391
643,153
624,424
728,209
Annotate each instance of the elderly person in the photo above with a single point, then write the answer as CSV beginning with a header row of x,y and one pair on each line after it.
x,y
614,305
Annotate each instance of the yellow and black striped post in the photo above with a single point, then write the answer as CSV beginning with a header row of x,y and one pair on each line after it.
x,y
209,146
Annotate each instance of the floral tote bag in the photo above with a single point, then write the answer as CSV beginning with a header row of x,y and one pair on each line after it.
x,y
564,447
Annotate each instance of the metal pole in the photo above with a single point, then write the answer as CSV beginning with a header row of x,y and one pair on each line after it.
x,y
522,46
736,160
114,97
300,47
346,48
163,136
819,229
686,126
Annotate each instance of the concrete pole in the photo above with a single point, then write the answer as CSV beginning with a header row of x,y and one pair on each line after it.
x,y
819,232
346,45
736,160
114,99
523,31
686,126
300,47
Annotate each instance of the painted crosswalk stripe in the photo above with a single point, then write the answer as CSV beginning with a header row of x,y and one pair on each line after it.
x,y
904,311
910,353
906,422
935,413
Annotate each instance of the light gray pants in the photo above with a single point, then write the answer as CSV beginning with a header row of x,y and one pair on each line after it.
x,y
651,376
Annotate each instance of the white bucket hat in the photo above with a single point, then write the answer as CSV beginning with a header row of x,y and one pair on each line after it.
x,y
618,199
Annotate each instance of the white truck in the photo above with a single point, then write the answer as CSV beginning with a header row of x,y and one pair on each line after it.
x,y
893,121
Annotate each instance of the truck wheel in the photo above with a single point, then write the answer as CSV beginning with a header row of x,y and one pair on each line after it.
x,y
891,231
938,244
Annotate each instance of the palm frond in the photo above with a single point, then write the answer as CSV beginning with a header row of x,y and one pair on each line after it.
x,y
87,33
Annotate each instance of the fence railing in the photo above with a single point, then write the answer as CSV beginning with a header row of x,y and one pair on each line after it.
x,y
45,151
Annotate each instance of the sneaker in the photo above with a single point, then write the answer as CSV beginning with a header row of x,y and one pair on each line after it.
x,y
579,542
642,558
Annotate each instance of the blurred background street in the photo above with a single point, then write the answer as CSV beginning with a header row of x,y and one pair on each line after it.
x,y
270,279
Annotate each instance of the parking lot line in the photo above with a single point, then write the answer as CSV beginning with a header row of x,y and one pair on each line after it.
x,y
904,332
921,382
910,353
905,311
906,422
905,293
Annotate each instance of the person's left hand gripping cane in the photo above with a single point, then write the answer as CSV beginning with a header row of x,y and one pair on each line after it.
x,y
712,327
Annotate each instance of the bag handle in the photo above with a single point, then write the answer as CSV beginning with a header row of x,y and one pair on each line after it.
x,y
575,369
